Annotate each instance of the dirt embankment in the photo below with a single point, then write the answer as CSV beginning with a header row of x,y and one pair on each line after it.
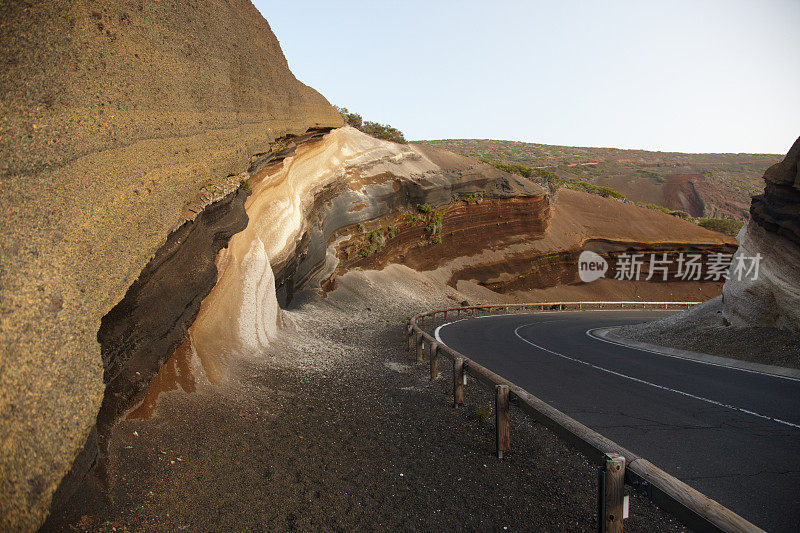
x,y
425,240
704,329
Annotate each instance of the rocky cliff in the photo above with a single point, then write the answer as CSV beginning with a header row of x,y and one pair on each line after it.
x,y
302,206
772,298
121,124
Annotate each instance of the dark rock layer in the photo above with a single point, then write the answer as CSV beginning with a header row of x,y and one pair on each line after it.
x,y
778,209
142,331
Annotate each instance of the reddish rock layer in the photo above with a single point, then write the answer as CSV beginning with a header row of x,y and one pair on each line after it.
x,y
465,229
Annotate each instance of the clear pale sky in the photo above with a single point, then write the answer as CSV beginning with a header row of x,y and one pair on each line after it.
x,y
689,76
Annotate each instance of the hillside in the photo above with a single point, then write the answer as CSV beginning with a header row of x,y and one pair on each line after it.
x,y
703,185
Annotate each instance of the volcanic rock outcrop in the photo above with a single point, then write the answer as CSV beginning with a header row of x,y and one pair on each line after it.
x,y
302,204
581,221
772,298
347,201
120,122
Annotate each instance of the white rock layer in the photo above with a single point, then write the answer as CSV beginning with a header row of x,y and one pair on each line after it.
x,y
773,298
241,313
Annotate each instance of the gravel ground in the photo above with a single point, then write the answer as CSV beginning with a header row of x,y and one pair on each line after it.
x,y
703,329
334,432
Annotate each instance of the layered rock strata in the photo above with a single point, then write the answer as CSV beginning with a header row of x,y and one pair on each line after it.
x,y
298,206
526,243
772,234
118,123
349,201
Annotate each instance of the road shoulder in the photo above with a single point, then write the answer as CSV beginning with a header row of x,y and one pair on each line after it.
x,y
609,335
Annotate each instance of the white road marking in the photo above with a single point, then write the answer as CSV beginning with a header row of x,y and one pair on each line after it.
x,y
642,381
656,385
591,334
439,339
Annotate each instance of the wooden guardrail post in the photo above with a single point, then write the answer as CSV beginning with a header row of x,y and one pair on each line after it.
x,y
611,494
434,359
687,504
501,420
458,382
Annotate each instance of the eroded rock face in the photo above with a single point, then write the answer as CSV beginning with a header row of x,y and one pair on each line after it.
x,y
297,205
772,299
348,201
778,209
142,331
773,232
119,121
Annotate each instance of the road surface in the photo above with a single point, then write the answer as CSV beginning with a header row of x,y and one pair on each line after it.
x,y
733,435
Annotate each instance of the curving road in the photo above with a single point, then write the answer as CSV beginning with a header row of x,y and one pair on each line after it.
x,y
732,434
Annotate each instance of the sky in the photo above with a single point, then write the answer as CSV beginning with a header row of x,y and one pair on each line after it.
x,y
688,76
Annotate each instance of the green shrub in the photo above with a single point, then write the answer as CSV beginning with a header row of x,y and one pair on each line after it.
x,y
482,413
474,198
605,192
542,176
511,168
352,119
547,175
375,129
245,185
383,131
681,214
375,236
728,226
424,208
655,207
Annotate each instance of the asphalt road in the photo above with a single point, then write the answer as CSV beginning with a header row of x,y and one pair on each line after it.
x,y
731,434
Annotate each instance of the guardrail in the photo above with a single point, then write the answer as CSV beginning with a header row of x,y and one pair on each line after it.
x,y
616,465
